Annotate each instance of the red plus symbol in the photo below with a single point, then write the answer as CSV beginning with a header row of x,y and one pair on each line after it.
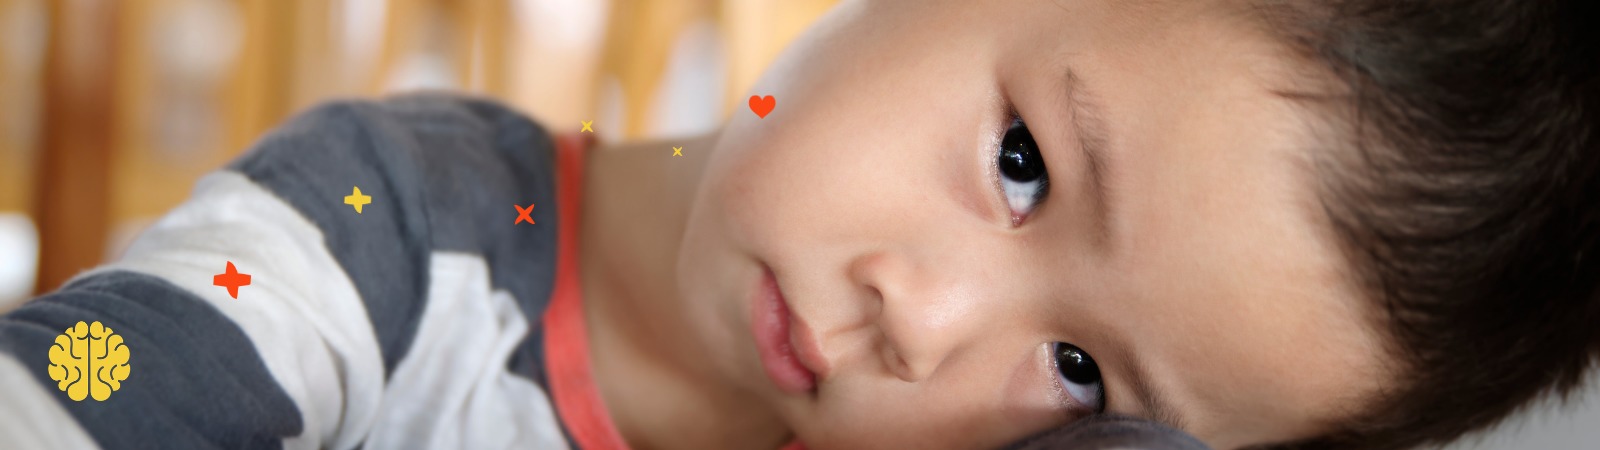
x,y
232,279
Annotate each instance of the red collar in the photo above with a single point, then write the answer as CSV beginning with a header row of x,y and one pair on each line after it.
x,y
566,342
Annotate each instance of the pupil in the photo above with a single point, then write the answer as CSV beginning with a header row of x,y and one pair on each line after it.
x,y
1019,155
1076,365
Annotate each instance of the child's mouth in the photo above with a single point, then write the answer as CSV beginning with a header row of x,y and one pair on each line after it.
x,y
781,338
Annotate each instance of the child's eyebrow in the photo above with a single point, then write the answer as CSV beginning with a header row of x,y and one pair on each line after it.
x,y
1089,126
1152,400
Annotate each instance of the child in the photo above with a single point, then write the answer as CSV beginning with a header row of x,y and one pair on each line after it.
x,y
1348,224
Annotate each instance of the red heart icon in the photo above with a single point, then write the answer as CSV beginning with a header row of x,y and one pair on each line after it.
x,y
762,105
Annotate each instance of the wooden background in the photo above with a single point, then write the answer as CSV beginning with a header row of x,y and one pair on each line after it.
x,y
113,108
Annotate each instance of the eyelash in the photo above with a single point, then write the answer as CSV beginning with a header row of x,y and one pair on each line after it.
x,y
1079,361
1017,154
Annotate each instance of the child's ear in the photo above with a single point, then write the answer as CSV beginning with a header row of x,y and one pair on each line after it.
x,y
1104,432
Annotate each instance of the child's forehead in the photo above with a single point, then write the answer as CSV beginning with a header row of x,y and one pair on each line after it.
x,y
1138,36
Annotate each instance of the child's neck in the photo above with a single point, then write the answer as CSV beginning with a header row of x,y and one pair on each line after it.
x,y
653,379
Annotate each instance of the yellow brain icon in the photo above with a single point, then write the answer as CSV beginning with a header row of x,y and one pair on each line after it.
x,y
88,360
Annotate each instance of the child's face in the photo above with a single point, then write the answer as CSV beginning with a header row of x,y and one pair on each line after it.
x,y
1188,257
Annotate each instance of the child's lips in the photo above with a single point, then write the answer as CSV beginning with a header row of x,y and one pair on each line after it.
x,y
804,343
789,353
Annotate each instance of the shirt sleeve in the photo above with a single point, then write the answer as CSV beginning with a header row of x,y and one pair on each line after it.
x,y
400,324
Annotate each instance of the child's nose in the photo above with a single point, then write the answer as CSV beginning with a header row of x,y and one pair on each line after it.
x,y
926,312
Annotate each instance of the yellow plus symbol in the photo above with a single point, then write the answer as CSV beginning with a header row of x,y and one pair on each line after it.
x,y
586,125
356,199
677,151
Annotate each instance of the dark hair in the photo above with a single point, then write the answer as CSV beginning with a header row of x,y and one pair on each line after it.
x,y
1466,198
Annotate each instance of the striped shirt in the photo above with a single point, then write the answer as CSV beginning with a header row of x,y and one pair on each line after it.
x,y
430,319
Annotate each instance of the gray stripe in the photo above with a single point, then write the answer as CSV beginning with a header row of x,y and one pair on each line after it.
x,y
195,379
444,173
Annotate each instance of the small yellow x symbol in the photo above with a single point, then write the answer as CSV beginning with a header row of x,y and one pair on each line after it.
x,y
677,151
586,125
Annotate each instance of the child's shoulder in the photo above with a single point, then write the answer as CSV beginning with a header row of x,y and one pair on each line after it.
x,y
278,284
444,172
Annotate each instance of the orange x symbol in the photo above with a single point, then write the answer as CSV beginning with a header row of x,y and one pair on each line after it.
x,y
522,214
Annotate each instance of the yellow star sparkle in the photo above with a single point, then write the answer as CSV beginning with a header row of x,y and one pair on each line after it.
x,y
586,124
356,199
677,151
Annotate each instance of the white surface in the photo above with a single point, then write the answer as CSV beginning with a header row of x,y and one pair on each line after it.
x,y
562,23
1547,426
30,417
19,259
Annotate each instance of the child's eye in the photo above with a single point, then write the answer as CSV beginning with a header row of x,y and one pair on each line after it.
x,y
1022,173
1079,376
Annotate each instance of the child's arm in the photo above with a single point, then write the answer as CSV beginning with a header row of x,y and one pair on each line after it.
x,y
397,325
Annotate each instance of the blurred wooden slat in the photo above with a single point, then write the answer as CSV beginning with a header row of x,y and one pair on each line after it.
x,y
307,60
552,61
480,28
639,39
171,97
106,164
642,33
72,192
20,85
260,90
139,182
417,28
756,31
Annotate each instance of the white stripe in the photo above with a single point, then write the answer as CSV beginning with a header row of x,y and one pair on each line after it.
x,y
301,310
29,418
452,389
